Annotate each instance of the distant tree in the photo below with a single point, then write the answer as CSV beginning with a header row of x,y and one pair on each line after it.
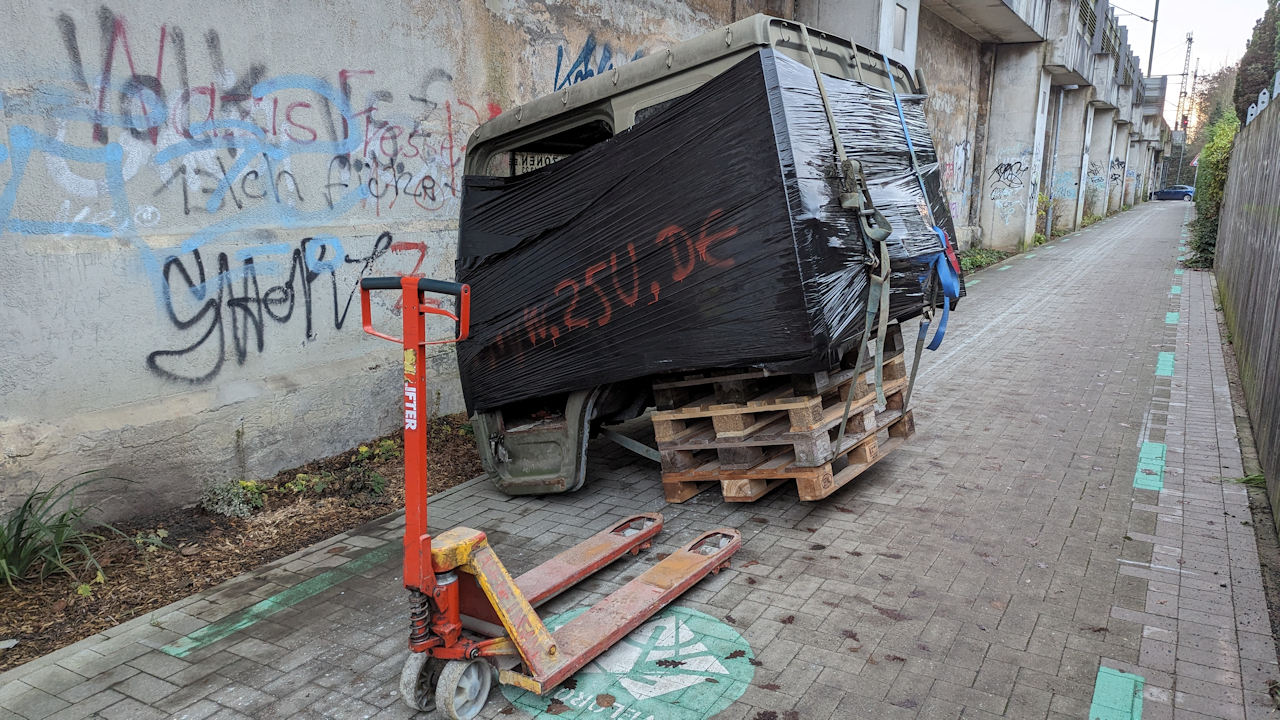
x,y
1260,61
1213,92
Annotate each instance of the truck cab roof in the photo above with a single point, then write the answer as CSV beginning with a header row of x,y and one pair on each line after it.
x,y
577,116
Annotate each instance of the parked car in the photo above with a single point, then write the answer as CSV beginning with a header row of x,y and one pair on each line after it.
x,y
1175,192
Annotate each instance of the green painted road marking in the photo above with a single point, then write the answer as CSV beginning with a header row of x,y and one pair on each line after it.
x,y
1048,247
1064,239
681,665
1175,290
1150,472
1116,695
1003,267
971,283
1164,363
1171,318
1031,255
1178,271
282,600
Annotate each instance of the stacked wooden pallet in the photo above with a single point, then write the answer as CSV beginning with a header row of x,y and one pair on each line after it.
x,y
751,433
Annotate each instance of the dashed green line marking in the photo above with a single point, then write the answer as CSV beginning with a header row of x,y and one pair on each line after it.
x,y
1031,255
1048,247
1064,240
1179,271
1003,267
971,283
1175,290
282,600
1171,318
1164,363
1150,472
1116,695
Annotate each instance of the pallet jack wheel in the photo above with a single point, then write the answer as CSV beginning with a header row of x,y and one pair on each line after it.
x,y
418,681
463,688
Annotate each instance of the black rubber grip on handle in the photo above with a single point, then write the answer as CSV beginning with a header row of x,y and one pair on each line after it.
x,y
443,287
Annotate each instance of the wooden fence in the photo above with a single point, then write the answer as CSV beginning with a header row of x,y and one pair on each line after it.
x,y
1248,270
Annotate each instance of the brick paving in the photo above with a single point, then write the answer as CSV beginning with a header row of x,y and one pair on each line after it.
x,y
989,568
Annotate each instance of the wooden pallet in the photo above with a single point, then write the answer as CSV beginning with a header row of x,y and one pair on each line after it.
x,y
742,435
738,386
857,453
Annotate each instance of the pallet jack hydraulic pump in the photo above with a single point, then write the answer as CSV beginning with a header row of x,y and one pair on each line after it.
x,y
469,618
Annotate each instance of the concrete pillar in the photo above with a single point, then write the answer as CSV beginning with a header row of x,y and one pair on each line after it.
x,y
1083,174
1140,162
1103,135
1132,170
1013,161
1116,169
1071,161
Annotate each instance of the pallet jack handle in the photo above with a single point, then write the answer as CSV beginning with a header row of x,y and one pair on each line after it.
x,y
414,288
418,572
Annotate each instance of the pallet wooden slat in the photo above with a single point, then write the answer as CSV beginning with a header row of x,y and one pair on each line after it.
x,y
812,483
751,432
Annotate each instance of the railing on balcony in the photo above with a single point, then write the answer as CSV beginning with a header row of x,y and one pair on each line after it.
x,y
1088,18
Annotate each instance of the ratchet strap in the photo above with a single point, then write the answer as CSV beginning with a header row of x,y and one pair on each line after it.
x,y
944,264
854,195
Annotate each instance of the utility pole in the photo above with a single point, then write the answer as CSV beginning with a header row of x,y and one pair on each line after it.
x,y
1155,18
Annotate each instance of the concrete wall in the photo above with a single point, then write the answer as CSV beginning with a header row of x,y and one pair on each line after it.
x,y
192,189
1117,168
858,21
1012,164
1070,163
952,69
1098,175
1248,269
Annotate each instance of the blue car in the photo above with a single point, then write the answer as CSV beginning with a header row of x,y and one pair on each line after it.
x,y
1175,192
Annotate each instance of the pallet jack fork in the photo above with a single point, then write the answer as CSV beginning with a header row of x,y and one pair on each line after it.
x,y
469,617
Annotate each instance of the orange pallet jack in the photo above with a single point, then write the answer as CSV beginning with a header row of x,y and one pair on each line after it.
x,y
469,617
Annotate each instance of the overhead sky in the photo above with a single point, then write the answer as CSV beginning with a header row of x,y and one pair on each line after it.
x,y
1220,31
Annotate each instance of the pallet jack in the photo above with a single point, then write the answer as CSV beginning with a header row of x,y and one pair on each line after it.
x,y
469,617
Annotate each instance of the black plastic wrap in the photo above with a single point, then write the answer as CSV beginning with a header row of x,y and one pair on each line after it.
x,y
708,235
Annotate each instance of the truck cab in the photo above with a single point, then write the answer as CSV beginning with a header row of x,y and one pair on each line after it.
x,y
539,445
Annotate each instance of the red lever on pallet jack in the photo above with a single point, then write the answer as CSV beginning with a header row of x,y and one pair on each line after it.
x,y
469,617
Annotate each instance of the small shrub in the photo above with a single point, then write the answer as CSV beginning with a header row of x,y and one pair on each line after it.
x,y
1090,219
977,258
1255,480
233,498
150,540
380,451
46,535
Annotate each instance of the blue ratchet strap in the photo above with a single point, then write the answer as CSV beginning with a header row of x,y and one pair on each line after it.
x,y
950,282
911,148
947,276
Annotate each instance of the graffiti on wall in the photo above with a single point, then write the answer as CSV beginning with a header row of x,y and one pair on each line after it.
x,y
157,129
589,60
1116,171
1008,183
955,176
1097,174
1009,175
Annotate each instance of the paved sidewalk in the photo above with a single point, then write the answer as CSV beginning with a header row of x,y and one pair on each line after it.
x,y
1057,541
